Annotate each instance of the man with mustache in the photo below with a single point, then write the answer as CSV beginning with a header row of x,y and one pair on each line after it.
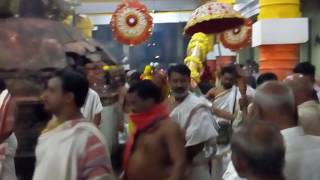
x,y
225,98
193,114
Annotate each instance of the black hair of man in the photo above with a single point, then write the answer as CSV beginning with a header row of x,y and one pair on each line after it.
x,y
230,69
75,83
265,77
135,76
180,69
305,68
2,85
146,89
261,146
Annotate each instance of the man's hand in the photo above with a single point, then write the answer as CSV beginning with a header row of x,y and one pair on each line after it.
x,y
243,103
212,93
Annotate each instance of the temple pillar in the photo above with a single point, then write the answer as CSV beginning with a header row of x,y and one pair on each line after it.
x,y
278,34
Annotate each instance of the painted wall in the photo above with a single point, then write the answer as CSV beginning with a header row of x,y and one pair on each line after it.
x,y
311,50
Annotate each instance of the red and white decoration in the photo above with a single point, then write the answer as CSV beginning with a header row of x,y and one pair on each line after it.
x,y
237,38
131,23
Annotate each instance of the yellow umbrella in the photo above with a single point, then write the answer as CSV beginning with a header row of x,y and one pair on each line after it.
x,y
213,17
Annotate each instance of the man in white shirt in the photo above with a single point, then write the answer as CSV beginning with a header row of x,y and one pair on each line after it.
x,y
308,108
274,102
194,116
92,108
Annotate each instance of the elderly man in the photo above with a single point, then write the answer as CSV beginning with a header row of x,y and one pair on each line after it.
x,y
258,151
274,102
308,108
309,70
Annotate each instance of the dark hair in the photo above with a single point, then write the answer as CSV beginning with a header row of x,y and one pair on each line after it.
x,y
135,76
261,146
265,77
146,89
231,69
75,83
180,69
305,68
2,85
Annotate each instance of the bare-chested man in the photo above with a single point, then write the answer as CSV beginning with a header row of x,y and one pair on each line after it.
x,y
156,149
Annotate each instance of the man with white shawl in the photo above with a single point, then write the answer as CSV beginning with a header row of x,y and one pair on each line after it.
x,y
225,99
193,114
73,149
226,110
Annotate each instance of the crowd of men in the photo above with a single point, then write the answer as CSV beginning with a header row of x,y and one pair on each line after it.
x,y
275,129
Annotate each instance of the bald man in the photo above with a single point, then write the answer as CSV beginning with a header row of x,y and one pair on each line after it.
x,y
308,108
274,102
258,151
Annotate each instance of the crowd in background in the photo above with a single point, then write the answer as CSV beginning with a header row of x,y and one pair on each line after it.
x,y
243,126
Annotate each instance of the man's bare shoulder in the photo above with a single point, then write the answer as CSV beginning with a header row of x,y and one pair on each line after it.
x,y
169,123
169,127
213,92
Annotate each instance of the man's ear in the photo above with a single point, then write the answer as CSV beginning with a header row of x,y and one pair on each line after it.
x,y
69,97
253,111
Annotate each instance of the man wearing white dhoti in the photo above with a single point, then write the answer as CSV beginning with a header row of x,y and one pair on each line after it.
x,y
226,110
75,149
193,114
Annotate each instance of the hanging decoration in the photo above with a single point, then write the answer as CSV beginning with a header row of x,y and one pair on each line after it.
x,y
238,38
199,46
131,23
213,17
